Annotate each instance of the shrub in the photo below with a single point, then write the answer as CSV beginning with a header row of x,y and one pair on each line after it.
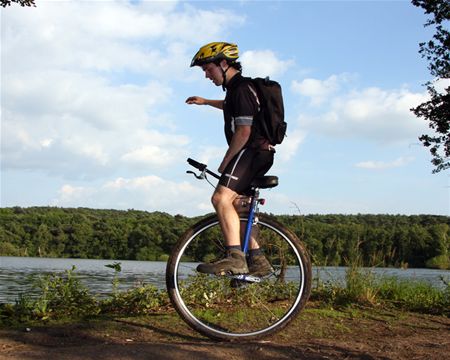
x,y
439,262
59,297
137,301
364,288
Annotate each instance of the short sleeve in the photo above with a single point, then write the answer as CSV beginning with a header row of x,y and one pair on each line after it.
x,y
245,105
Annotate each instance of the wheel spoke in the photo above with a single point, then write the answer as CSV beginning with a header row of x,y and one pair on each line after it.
x,y
226,308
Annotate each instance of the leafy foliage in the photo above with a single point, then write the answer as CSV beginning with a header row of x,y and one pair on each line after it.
x,y
141,300
437,110
60,296
86,233
380,240
23,3
63,297
365,289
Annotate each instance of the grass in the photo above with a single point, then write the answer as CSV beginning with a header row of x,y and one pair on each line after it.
x,y
64,298
363,288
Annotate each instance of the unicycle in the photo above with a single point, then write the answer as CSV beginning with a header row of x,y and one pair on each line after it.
x,y
239,307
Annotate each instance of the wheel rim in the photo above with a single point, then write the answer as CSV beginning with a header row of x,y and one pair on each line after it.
x,y
212,305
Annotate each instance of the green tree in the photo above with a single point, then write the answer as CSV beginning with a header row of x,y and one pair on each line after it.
x,y
58,242
439,240
437,110
42,238
419,237
79,235
353,237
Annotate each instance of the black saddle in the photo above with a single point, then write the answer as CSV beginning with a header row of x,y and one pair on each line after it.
x,y
265,182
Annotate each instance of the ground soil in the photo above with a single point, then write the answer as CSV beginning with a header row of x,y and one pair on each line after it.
x,y
315,334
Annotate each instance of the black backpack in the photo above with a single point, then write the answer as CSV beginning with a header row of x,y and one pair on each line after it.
x,y
271,114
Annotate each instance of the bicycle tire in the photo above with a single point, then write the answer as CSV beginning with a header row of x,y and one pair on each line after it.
x,y
215,308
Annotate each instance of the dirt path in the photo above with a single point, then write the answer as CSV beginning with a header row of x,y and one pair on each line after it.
x,y
316,334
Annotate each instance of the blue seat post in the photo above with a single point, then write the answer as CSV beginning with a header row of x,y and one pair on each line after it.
x,y
250,219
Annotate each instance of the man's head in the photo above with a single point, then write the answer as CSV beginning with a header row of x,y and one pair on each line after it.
x,y
216,59
215,52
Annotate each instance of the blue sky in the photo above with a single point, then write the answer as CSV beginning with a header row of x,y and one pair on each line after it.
x,y
93,111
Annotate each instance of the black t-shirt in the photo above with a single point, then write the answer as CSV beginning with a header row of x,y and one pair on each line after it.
x,y
240,108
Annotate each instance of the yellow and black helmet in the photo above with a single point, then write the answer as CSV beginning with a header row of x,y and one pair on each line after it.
x,y
215,51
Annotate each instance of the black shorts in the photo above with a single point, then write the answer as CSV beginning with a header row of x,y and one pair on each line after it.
x,y
247,165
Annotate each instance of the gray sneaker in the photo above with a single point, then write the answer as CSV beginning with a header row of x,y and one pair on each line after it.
x,y
259,266
234,263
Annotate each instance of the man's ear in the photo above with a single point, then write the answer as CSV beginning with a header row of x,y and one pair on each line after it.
x,y
224,65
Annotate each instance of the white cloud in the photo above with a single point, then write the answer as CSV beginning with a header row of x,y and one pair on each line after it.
x,y
62,121
211,155
382,165
86,85
441,84
69,194
151,155
110,36
263,63
317,90
374,114
88,98
151,193
290,144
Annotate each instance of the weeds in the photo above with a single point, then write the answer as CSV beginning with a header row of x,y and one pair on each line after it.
x,y
416,296
363,288
117,267
59,297
64,297
137,301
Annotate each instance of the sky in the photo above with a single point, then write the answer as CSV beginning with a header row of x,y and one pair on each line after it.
x,y
93,109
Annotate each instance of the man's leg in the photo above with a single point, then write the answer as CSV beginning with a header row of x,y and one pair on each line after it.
x,y
235,261
258,265
236,178
223,201
242,205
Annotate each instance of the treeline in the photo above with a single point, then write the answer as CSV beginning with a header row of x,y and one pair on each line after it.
x,y
372,240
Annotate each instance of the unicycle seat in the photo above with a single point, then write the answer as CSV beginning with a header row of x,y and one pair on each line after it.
x,y
265,182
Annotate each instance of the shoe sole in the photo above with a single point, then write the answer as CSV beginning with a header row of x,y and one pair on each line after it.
x,y
262,274
232,271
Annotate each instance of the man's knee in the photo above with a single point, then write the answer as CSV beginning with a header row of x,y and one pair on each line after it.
x,y
241,203
223,196
216,199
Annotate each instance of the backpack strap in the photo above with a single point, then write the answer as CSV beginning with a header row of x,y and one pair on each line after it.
x,y
253,91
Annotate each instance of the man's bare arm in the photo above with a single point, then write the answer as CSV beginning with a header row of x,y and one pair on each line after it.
x,y
197,100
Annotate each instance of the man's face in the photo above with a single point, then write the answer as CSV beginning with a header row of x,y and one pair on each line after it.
x,y
214,73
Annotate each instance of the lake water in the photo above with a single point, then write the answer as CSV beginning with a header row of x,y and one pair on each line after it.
x,y
17,274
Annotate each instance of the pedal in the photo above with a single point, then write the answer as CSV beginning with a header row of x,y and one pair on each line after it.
x,y
246,278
